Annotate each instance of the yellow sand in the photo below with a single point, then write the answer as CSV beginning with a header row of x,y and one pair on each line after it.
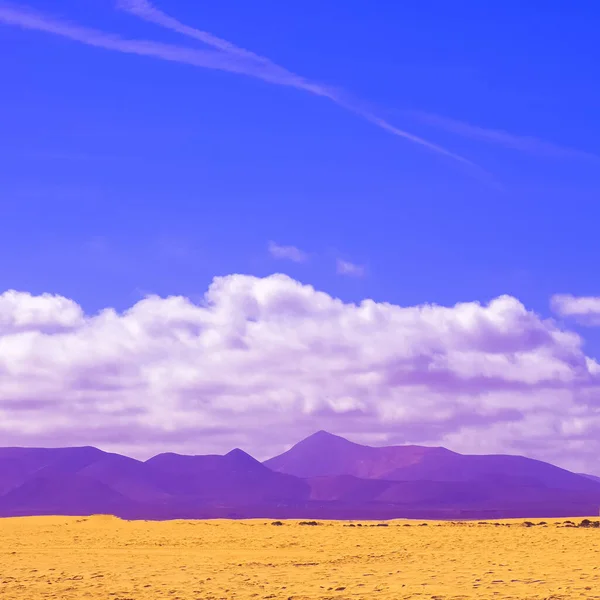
x,y
104,557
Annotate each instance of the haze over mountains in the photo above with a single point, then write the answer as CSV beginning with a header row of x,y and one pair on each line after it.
x,y
323,476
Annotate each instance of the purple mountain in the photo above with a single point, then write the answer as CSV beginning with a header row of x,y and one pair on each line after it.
x,y
18,465
63,494
325,454
323,476
235,479
86,480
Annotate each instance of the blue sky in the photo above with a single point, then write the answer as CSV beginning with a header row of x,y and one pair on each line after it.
x,y
410,153
124,173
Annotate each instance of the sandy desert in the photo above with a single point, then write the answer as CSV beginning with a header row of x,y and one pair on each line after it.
x,y
105,557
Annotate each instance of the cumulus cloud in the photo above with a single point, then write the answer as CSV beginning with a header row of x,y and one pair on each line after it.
x,y
262,362
585,309
345,267
21,311
287,252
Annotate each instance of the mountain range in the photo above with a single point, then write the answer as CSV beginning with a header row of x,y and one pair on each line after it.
x,y
322,477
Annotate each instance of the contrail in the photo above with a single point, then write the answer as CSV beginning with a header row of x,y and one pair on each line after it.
x,y
29,19
522,143
148,12
225,57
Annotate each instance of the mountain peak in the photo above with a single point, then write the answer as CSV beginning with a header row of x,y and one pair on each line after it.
x,y
237,458
322,433
320,453
327,454
239,454
324,437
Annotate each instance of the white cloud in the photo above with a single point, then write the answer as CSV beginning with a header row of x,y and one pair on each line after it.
x,y
287,252
585,309
345,267
261,362
21,311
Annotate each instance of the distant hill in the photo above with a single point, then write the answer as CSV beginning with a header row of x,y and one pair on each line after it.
x,y
324,454
235,479
323,476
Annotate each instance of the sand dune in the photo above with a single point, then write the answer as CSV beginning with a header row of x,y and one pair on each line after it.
x,y
105,557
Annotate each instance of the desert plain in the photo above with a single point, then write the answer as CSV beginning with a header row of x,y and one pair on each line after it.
x,y
105,557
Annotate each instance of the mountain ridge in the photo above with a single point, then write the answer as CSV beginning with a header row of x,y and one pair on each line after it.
x,y
322,476
324,454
